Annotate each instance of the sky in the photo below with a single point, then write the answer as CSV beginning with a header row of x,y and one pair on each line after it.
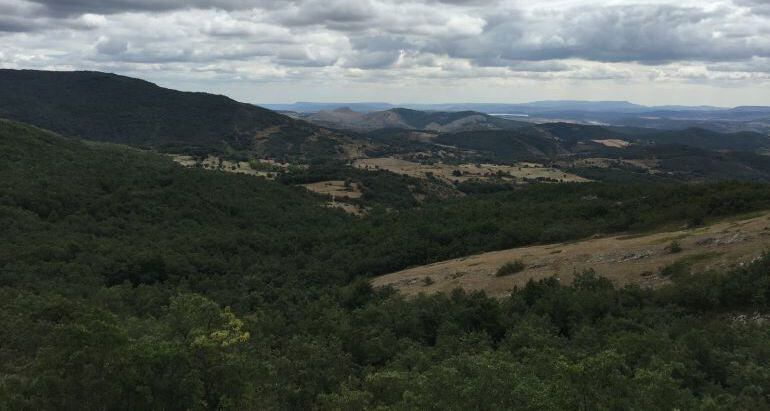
x,y
408,51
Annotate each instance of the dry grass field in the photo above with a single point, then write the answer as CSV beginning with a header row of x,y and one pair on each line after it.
x,y
624,259
338,191
335,189
613,142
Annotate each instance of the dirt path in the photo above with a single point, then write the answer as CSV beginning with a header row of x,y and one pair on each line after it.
x,y
623,259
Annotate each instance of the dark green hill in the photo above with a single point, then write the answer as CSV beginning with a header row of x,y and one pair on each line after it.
x,y
125,204
113,108
422,119
569,134
505,145
696,164
694,137
707,139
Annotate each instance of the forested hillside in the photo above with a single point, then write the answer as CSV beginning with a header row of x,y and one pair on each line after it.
x,y
109,107
127,282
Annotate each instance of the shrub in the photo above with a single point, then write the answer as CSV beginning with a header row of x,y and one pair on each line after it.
x,y
674,247
678,268
511,267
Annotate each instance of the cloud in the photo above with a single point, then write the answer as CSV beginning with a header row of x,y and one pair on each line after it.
x,y
111,47
76,7
647,34
336,14
756,6
396,42
13,24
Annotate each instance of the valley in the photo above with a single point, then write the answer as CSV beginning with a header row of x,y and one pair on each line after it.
x,y
162,249
384,205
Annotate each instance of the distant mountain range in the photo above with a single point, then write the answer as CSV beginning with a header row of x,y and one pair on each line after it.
x,y
406,119
311,107
489,108
618,113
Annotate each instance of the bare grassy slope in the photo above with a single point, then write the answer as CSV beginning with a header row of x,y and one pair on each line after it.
x,y
623,259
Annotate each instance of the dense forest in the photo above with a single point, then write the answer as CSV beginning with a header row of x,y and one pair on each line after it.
x,y
127,282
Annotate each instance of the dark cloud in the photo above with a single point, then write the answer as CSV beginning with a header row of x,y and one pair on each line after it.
x,y
11,24
756,6
341,15
75,7
112,47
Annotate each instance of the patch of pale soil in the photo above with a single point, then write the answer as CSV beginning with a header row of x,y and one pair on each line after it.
x,y
463,172
335,188
634,259
613,142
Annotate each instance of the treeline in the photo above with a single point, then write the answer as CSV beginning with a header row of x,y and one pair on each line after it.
x,y
127,282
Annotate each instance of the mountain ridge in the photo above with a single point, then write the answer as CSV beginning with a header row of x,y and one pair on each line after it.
x,y
344,118
114,108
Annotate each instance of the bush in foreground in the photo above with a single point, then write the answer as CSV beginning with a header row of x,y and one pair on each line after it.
x,y
511,267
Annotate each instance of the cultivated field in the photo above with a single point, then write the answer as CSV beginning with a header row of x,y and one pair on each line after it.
x,y
635,259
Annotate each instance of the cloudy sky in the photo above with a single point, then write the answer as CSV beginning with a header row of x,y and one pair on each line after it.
x,y
647,51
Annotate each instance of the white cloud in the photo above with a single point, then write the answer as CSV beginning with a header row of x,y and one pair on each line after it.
x,y
450,45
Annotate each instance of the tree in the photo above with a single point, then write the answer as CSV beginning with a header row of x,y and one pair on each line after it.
x,y
212,337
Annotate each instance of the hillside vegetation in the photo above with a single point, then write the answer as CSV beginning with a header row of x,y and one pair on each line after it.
x,y
113,108
128,282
